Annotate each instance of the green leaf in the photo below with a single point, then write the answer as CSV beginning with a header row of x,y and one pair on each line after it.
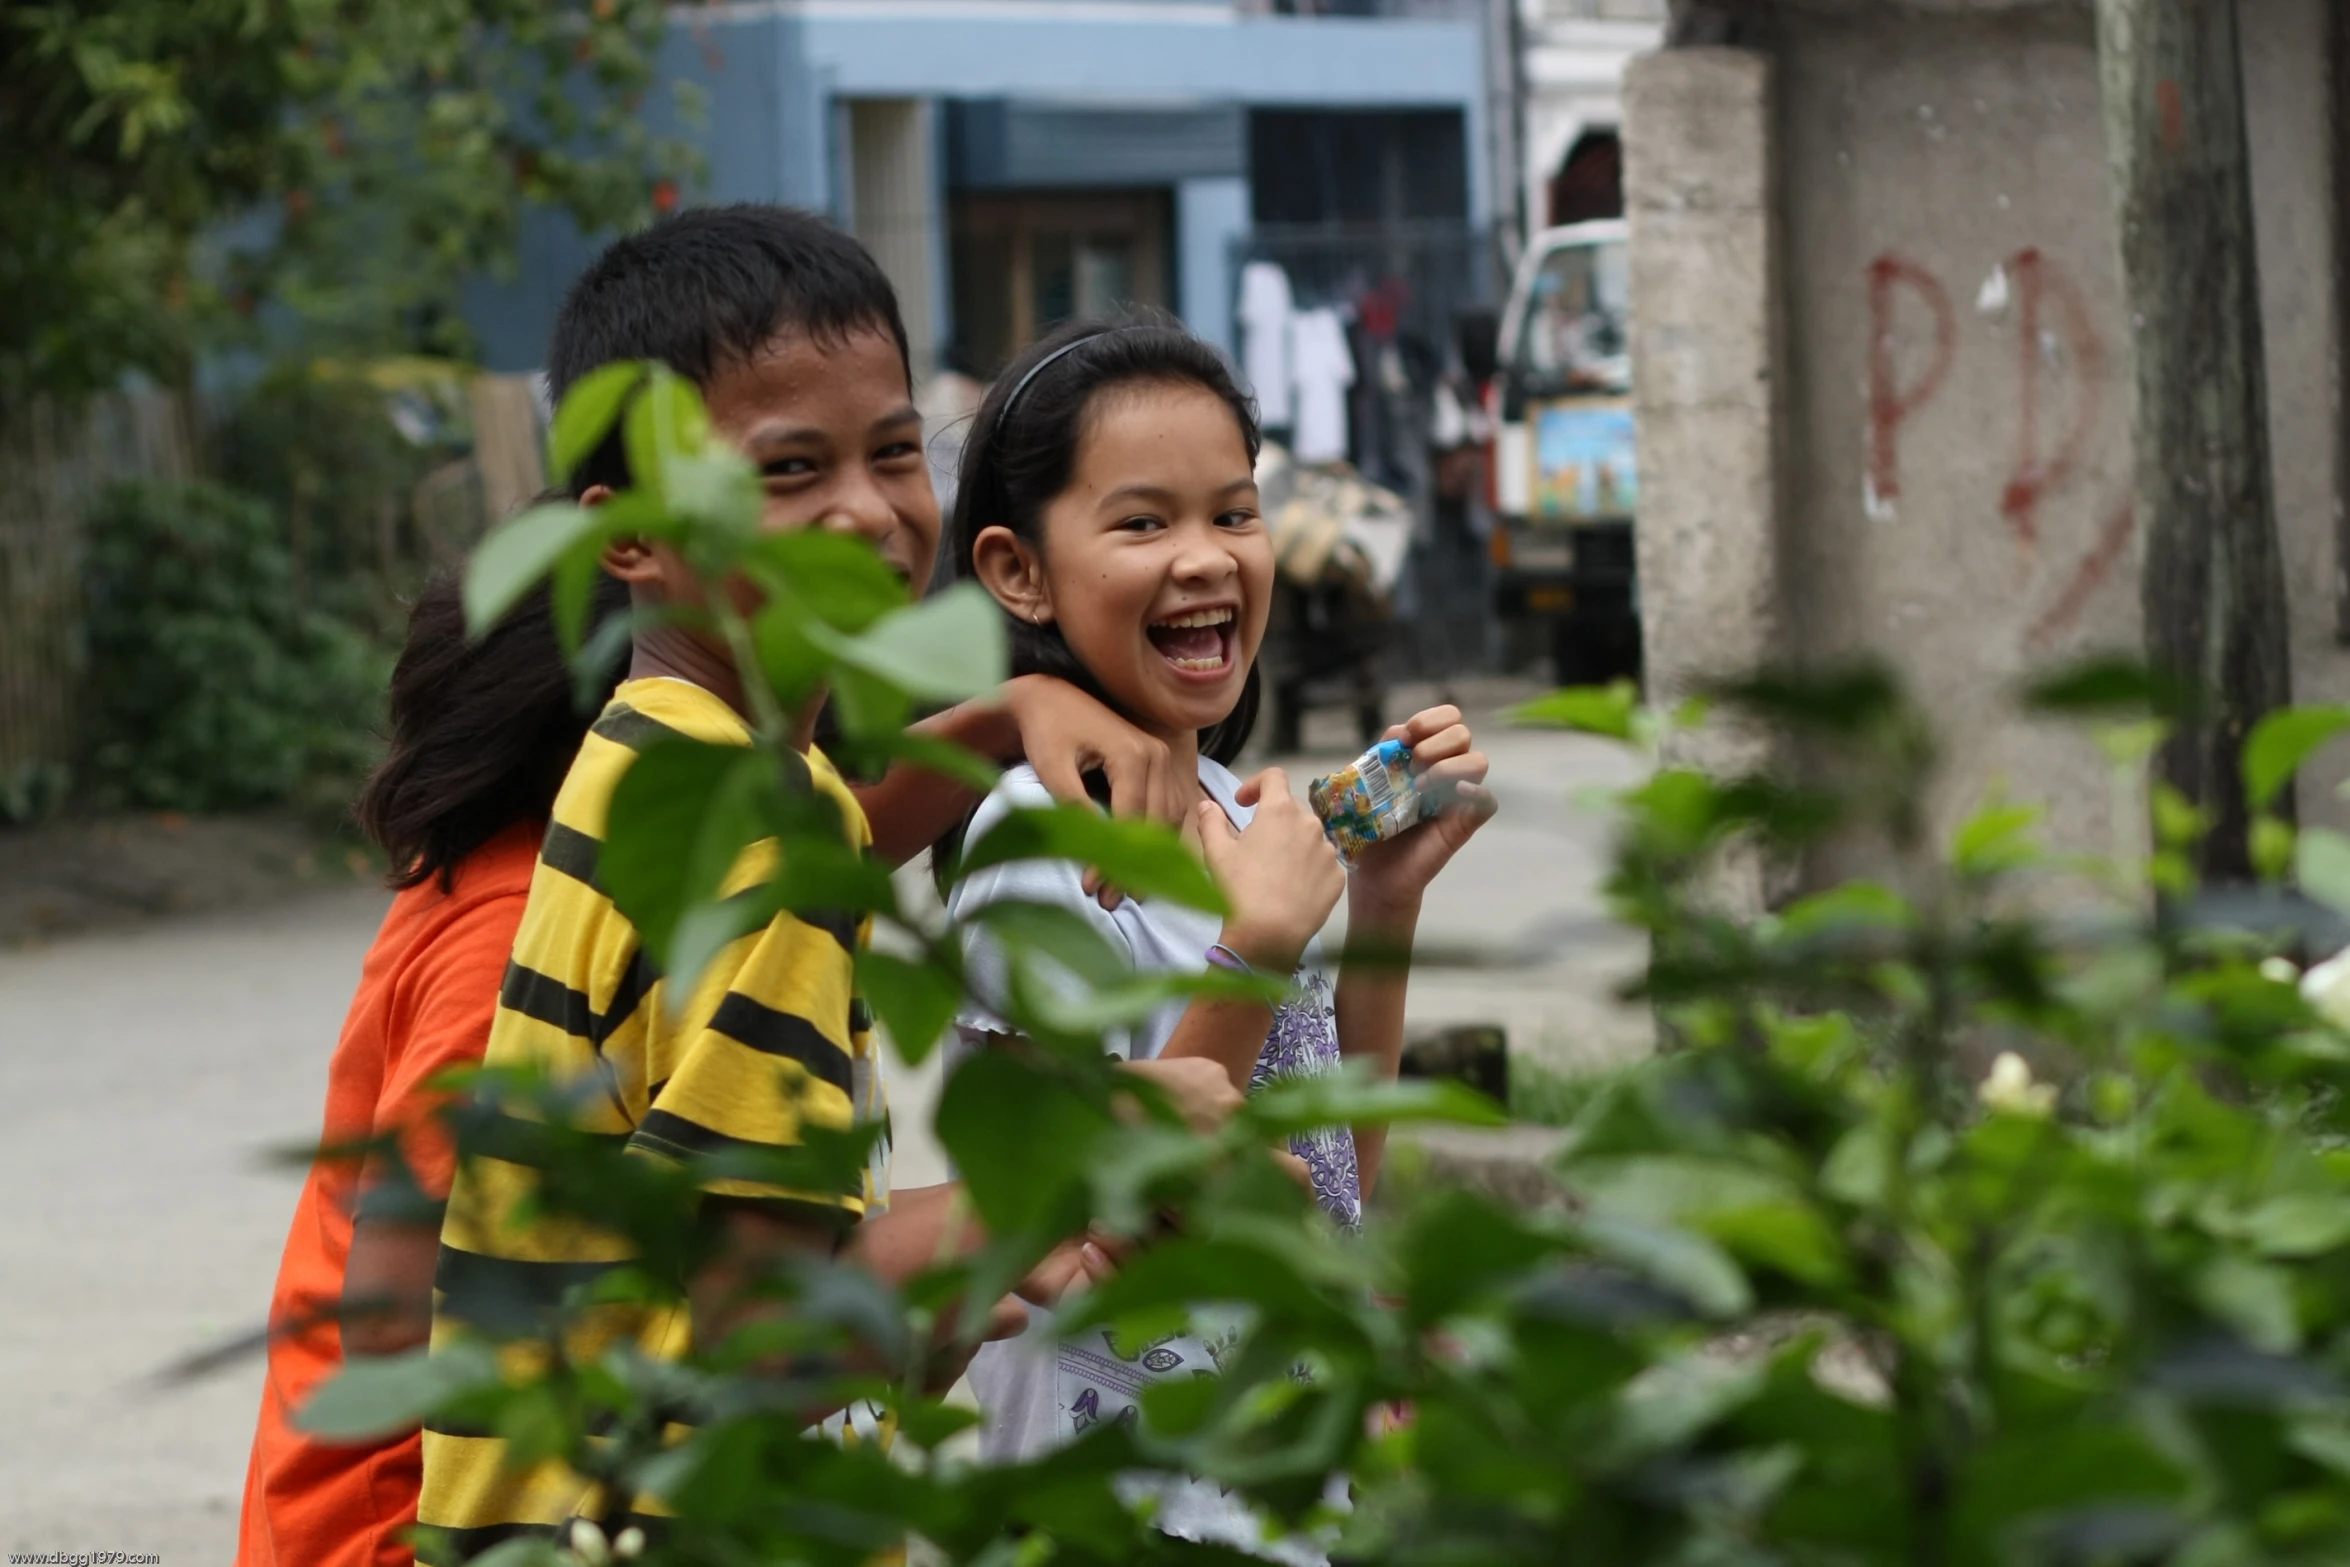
x,y
1789,1235
682,814
1462,1245
1600,710
1674,1401
946,648
378,1397
840,578
1995,840
718,491
508,563
1850,699
914,1001
1286,1106
1859,1169
2281,742
1689,1265
2272,846
1048,1009
2178,821
1220,1270
2299,1224
588,412
1145,859
2105,686
1027,930
665,420
2254,1298
524,1551
2321,863
1021,1139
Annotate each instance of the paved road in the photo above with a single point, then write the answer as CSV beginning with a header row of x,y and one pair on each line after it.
x,y
152,1070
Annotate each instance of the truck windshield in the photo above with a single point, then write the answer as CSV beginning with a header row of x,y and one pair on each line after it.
x,y
1575,335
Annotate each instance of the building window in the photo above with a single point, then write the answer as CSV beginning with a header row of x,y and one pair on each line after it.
x,y
1357,169
1026,261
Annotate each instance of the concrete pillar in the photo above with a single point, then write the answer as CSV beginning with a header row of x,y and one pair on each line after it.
x,y
893,209
1210,215
1699,156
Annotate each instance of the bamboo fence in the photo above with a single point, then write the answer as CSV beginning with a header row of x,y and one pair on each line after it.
x,y
55,461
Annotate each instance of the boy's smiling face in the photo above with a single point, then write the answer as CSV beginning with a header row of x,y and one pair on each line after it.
x,y
831,425
832,428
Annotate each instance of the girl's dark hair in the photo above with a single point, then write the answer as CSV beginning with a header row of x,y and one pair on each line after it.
x,y
1022,451
482,730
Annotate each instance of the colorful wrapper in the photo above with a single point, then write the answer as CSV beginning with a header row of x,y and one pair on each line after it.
x,y
1372,798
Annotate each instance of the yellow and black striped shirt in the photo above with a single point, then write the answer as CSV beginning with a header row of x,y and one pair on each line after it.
x,y
771,1038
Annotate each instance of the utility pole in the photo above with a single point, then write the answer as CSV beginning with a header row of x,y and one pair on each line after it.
x,y
2214,582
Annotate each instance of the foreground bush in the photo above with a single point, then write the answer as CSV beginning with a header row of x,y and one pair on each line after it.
x,y
1945,1231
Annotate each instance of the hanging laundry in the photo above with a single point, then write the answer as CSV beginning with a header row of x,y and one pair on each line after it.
x,y
1267,310
1322,368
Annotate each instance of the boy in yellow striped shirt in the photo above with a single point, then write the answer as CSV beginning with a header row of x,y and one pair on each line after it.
x,y
794,337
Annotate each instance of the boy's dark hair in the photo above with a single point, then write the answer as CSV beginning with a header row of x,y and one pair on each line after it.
x,y
710,286
1022,450
482,730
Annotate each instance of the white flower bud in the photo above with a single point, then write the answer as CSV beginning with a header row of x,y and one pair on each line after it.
x,y
629,1543
588,1543
2010,1089
2327,989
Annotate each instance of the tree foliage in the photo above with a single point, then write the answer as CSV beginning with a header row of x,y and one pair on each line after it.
x,y
1946,1231
172,166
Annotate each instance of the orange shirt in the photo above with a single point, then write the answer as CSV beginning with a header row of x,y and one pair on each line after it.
x,y
427,992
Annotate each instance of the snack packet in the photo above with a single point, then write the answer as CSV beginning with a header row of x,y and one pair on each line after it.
x,y
1372,798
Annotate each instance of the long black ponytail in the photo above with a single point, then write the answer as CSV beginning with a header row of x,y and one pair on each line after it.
x,y
482,730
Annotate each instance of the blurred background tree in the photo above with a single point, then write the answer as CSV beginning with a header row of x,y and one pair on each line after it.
x,y
171,164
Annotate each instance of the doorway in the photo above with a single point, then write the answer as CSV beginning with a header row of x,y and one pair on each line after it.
x,y
1024,262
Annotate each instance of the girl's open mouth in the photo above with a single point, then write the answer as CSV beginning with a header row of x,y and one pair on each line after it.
x,y
1198,642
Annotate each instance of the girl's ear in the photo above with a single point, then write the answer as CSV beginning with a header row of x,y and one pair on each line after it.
x,y
634,561
1011,572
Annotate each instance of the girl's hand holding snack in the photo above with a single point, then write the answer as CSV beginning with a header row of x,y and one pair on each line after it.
x,y
1389,876
1281,875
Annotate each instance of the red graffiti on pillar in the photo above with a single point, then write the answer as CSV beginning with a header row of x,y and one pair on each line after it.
x,y
2038,285
1891,404
2170,106
2089,576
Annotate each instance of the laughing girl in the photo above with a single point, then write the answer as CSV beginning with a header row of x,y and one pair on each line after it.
x,y
1108,503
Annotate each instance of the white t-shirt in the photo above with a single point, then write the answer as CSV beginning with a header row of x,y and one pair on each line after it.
x,y
1265,311
1035,1392
1322,367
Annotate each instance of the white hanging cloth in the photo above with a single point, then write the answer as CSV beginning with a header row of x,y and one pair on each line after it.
x,y
1322,367
1266,311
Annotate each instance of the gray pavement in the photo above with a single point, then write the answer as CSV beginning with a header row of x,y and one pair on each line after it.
x,y
151,1072
154,1069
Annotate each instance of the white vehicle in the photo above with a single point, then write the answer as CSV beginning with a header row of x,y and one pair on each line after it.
x,y
1564,480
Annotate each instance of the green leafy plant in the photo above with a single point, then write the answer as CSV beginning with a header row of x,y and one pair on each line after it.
x,y
211,689
1947,1230
172,165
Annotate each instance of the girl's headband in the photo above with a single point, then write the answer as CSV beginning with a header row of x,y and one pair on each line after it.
x,y
1038,368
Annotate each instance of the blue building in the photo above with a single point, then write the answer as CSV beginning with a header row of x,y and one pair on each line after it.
x,y
1013,162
